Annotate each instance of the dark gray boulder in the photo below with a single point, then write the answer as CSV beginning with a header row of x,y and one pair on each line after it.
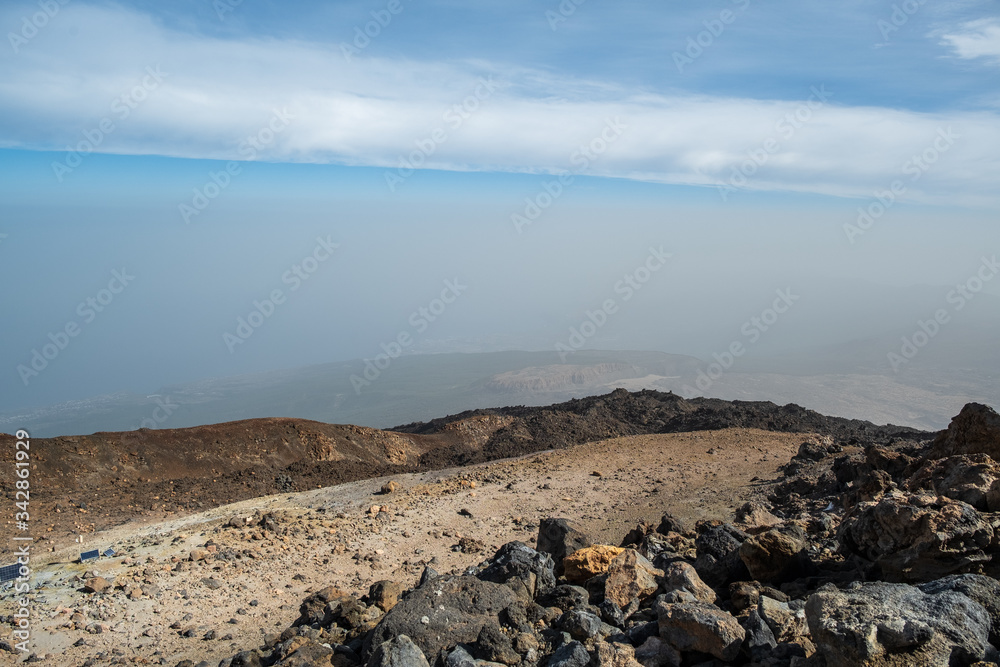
x,y
443,613
719,562
918,538
700,627
398,652
559,538
580,624
883,624
572,654
976,587
525,571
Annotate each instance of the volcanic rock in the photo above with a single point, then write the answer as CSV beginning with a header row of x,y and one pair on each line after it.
x,y
883,624
918,538
558,538
702,627
580,624
614,655
96,585
718,561
399,651
385,594
976,430
631,577
454,609
984,590
968,478
655,652
572,654
526,571
670,524
683,577
786,623
776,555
589,562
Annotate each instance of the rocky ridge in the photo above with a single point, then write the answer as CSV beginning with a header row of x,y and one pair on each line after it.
x,y
88,483
859,559
878,551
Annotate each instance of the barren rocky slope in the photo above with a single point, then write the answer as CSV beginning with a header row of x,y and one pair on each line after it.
x,y
276,550
703,548
88,483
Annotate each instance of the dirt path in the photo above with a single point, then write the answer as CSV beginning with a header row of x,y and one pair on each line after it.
x,y
351,536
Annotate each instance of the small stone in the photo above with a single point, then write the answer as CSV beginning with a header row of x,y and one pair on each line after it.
x,y
96,585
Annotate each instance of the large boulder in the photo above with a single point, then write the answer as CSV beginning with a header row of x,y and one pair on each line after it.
x,y
526,571
968,478
786,623
867,477
442,613
895,625
760,640
631,578
580,624
572,654
718,561
916,538
683,577
776,556
976,430
398,652
559,538
976,587
701,627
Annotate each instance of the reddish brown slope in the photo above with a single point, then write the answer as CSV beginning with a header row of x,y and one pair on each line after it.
x,y
83,483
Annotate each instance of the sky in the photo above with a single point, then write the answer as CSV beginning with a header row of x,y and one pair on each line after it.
x,y
206,188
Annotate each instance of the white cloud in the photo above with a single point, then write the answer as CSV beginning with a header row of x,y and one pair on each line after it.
x,y
373,111
976,39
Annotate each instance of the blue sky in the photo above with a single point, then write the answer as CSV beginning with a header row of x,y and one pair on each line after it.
x,y
211,143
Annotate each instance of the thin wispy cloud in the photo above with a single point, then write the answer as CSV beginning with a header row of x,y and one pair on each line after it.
x,y
976,39
495,116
